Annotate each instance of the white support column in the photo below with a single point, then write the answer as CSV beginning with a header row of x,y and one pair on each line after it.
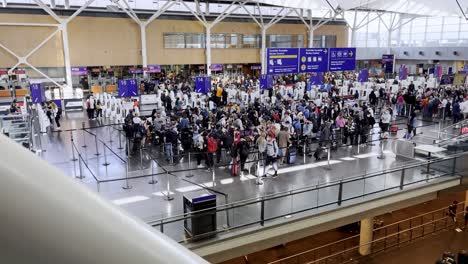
x,y
353,30
311,29
208,49
66,56
263,49
144,57
389,41
366,236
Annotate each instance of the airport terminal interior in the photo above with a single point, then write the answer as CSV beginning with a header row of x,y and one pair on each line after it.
x,y
234,131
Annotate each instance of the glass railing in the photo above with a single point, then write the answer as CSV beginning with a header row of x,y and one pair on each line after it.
x,y
16,127
274,208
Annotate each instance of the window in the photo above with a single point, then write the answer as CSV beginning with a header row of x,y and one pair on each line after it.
x,y
194,41
300,41
330,41
250,41
174,41
232,41
280,41
218,41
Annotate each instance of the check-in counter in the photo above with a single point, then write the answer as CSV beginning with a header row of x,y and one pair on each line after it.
x,y
111,88
96,89
5,93
21,92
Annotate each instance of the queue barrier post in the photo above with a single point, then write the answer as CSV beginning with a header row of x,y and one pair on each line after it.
x,y
72,147
141,157
120,141
304,152
81,176
84,136
328,158
258,181
189,166
105,155
168,196
127,185
152,181
97,147
110,134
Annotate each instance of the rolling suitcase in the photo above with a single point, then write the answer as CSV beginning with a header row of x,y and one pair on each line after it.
x,y
394,129
292,156
235,168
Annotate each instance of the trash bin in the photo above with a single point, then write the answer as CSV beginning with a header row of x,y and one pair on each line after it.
x,y
203,224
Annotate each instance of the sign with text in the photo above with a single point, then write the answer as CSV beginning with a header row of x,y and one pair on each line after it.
x,y
363,75
37,93
216,67
79,71
266,81
282,60
202,84
153,68
128,88
388,61
316,78
135,70
342,59
313,60
403,73
438,71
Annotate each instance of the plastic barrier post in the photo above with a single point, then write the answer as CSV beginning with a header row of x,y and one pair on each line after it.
x,y
381,155
81,176
120,141
97,147
141,157
328,159
110,134
304,151
258,181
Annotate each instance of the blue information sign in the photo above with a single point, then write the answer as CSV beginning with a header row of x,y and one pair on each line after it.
x,y
403,74
316,78
387,62
37,93
363,75
313,60
282,60
266,81
342,59
128,88
202,84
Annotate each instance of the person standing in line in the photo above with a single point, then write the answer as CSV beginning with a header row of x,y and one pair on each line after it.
x,y
98,109
452,211
271,155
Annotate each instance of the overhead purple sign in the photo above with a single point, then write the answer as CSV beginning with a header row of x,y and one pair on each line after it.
x,y
438,71
282,60
342,59
387,62
135,70
403,73
128,87
202,84
316,78
266,81
37,93
153,68
79,71
313,60
216,67
363,75
256,67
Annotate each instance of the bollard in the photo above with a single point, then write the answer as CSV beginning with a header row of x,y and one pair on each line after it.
x,y
152,174
258,181
110,134
127,186
97,147
120,140
81,176
105,155
72,147
168,196
189,166
84,136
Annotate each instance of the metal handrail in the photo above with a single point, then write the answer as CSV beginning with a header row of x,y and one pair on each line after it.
x,y
356,236
313,188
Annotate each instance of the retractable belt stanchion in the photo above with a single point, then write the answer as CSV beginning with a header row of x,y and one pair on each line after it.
x,y
381,155
328,158
72,147
189,166
120,140
168,196
84,136
258,181
105,155
304,151
152,174
127,186
110,134
141,156
81,176
97,147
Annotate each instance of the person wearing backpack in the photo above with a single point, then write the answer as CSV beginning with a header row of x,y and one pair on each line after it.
x,y
271,155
